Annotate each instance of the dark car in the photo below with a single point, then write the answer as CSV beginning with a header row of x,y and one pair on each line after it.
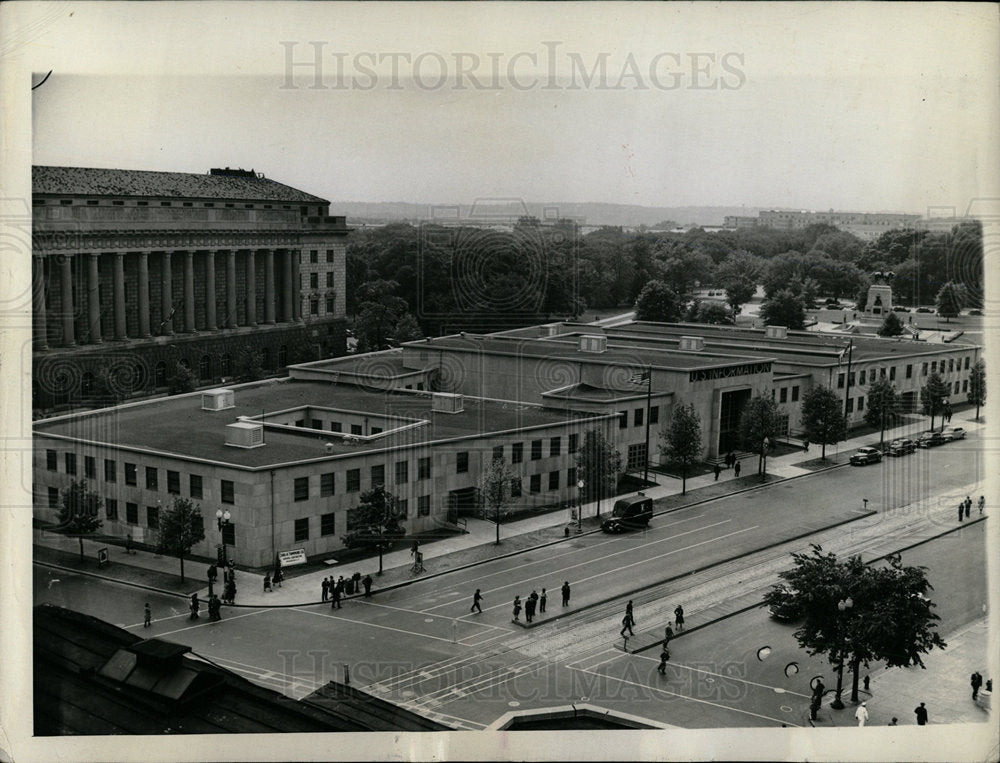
x,y
923,310
900,309
629,514
866,456
931,440
831,302
901,447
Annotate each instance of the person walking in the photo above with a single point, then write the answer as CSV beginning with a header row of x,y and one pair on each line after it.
x,y
325,585
862,714
367,581
529,606
664,656
147,618
565,593
668,633
476,598
718,471
267,582
337,589
517,609
968,507
736,468
961,510
278,575
627,622
679,617
541,602
128,544
213,575
805,446
977,682
194,607
921,713
231,590
982,503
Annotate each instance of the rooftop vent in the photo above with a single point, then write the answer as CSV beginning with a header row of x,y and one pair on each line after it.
x,y
692,343
217,399
245,434
776,332
593,343
552,329
446,402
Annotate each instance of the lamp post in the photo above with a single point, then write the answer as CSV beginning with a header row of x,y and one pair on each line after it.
x,y
579,508
844,605
222,520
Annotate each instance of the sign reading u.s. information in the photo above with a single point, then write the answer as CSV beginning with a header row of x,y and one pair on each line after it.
x,y
292,557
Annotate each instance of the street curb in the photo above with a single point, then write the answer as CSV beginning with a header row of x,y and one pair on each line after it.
x,y
132,583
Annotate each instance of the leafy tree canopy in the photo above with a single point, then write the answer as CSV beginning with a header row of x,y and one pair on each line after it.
x,y
658,302
891,326
374,522
823,416
784,309
598,464
181,528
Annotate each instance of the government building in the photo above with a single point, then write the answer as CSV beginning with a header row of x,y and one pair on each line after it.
x,y
136,272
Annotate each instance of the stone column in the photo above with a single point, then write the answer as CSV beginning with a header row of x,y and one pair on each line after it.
x,y
167,296
231,289
119,289
210,320
66,282
38,317
142,298
94,299
297,285
288,312
269,286
251,289
189,292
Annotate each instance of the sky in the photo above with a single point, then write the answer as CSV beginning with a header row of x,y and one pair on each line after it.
x,y
868,107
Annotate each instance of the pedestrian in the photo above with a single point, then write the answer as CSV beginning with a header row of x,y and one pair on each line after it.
x,y
147,616
367,581
862,714
977,682
867,681
627,623
414,547
668,633
231,590
335,599
217,604
278,575
894,721
664,656
128,544
730,459
814,705
195,606
805,445
718,471
267,582
968,507
961,510
325,585
213,574
736,468
517,609
982,503
529,606
541,602
476,598
565,593
679,617
628,608
921,713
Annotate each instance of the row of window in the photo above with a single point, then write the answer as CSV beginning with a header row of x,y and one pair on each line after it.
x,y
314,259
962,386
783,394
860,378
638,417
314,280
37,202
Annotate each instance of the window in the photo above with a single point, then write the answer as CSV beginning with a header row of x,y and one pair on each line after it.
x,y
378,474
302,529
840,381
462,462
795,394
353,480
636,456
110,470
515,487
517,453
956,388
553,480
851,379
301,488
131,474
111,509
934,366
355,429
861,403
637,417
228,491
783,395
326,484
909,371
152,481
327,524
54,498
951,364
330,302
498,453
90,467
571,477
194,483
536,450
314,306
329,280
622,419
555,446
152,516
850,405
574,441
654,414
892,373
402,472
313,256
402,507
424,468
923,371
70,459
314,280
329,255
173,482
52,460
536,483
965,385
966,362
861,378
336,426
131,511
424,506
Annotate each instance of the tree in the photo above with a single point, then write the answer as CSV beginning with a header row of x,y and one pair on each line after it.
x,y
711,312
977,385
739,275
248,363
758,423
682,440
657,302
739,291
823,417
182,380
883,405
932,394
495,490
891,326
950,300
181,528
79,511
856,613
784,309
379,311
374,523
598,464
407,329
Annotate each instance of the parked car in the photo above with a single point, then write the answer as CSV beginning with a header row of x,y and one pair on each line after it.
x,y
931,440
923,310
953,433
782,603
901,447
832,302
900,309
629,514
866,456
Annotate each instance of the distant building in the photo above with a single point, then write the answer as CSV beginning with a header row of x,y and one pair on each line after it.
x,y
137,271
865,225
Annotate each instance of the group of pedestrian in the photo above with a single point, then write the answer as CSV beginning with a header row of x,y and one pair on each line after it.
x,y
194,606
333,591
977,684
731,462
214,608
534,603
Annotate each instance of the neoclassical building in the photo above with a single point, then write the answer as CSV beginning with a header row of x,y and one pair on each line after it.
x,y
135,272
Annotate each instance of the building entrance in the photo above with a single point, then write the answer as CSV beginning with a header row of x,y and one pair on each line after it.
x,y
729,419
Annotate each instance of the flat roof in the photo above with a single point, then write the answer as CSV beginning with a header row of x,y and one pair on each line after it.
x,y
178,426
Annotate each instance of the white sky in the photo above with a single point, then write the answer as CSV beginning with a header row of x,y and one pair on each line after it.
x,y
854,106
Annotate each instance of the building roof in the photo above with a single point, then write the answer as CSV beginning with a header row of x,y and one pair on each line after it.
x,y
179,426
92,181
91,677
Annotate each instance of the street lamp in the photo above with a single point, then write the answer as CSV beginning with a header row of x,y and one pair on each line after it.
x,y
844,605
579,509
222,520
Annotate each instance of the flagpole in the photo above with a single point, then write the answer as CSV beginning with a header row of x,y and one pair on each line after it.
x,y
649,391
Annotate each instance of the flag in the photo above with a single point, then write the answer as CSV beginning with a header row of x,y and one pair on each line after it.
x,y
639,377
